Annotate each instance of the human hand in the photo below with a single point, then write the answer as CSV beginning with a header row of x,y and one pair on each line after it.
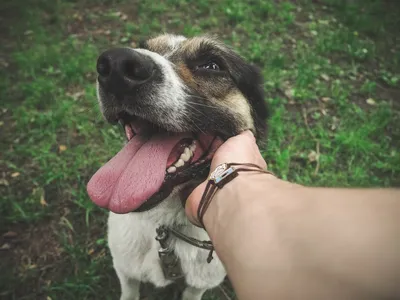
x,y
239,149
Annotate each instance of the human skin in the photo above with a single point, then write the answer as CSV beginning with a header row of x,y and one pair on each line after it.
x,y
280,240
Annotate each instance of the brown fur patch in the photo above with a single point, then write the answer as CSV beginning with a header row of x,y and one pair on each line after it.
x,y
186,75
237,103
191,47
159,45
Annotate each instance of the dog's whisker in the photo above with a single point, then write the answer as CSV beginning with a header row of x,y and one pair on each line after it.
x,y
199,111
201,104
195,125
204,105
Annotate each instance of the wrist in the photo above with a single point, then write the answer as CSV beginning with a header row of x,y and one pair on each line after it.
x,y
233,203
244,221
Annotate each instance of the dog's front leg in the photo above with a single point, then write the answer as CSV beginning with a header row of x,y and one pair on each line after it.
x,y
129,287
192,293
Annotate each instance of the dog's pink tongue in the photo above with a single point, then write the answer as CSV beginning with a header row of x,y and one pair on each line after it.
x,y
133,175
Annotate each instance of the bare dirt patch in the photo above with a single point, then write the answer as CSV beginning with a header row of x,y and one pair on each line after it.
x,y
33,252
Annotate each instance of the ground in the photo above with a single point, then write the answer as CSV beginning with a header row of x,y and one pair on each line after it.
x,y
332,80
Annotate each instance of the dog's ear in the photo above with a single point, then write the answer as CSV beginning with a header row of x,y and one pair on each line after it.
x,y
249,80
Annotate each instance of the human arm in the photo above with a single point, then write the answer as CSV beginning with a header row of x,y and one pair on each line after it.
x,y
280,240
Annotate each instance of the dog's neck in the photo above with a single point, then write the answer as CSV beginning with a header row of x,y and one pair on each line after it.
x,y
169,212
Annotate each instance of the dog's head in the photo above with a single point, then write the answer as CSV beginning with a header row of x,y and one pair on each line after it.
x,y
178,99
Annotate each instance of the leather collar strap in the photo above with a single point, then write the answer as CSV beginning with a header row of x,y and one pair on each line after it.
x,y
207,245
197,173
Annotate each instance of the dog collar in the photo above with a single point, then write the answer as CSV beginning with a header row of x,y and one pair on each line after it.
x,y
199,175
170,263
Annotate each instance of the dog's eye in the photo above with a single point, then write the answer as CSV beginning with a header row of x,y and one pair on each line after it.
x,y
210,66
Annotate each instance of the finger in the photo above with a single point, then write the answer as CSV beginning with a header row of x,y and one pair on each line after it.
x,y
240,148
249,134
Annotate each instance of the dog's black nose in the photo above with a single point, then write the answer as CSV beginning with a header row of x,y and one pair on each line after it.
x,y
122,69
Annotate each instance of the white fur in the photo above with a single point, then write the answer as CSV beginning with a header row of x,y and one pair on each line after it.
x,y
175,40
135,251
170,96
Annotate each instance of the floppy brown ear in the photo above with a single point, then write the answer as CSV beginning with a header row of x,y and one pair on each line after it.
x,y
250,81
253,89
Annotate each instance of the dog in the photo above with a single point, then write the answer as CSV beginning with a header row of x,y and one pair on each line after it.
x,y
178,99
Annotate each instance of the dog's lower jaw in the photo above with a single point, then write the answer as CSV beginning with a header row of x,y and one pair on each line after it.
x,y
135,251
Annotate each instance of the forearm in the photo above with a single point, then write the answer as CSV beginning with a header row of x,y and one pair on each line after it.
x,y
319,243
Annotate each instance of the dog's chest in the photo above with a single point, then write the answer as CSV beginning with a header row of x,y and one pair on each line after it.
x,y
135,250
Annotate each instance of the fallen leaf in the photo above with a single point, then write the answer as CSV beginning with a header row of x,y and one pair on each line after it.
x,y
42,200
4,182
335,123
326,99
91,251
116,14
370,101
1,123
10,235
5,246
15,174
4,63
32,266
77,16
124,39
76,95
289,93
313,156
62,148
325,77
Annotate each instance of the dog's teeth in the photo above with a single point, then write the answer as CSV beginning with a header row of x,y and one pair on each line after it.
x,y
186,155
187,151
179,163
171,169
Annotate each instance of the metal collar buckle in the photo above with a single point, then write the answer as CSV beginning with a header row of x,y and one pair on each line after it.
x,y
170,263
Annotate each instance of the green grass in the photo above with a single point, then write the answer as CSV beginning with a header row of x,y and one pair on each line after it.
x,y
331,78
